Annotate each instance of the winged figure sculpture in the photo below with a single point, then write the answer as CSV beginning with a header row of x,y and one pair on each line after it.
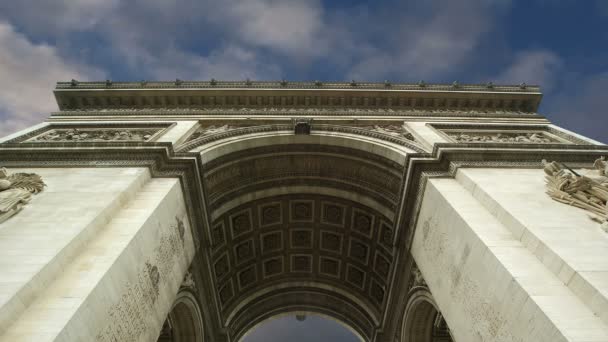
x,y
16,190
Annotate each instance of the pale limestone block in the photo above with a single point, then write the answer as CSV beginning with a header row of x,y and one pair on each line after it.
x,y
98,280
489,290
562,237
69,211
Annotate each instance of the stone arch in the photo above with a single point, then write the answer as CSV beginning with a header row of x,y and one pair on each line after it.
x,y
288,301
184,323
223,144
302,223
422,320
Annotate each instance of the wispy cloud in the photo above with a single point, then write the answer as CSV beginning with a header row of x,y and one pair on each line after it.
x,y
30,71
540,67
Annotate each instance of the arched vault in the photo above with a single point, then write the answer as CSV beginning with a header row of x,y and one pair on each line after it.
x,y
302,223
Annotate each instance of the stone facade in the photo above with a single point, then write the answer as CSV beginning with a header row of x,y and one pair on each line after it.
x,y
193,211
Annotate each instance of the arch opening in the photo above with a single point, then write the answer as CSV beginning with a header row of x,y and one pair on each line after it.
x,y
184,322
300,326
302,225
422,321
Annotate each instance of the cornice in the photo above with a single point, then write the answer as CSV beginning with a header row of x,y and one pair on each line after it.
x,y
180,94
247,84
291,111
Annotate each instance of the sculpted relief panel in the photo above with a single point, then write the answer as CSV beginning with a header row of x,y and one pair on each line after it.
x,y
585,191
93,133
308,238
16,190
503,137
530,134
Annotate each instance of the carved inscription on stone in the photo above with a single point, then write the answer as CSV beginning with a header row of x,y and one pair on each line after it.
x,y
489,323
586,192
96,134
503,137
16,190
129,318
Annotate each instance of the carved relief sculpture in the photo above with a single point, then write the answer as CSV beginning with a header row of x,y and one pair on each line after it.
x,y
503,137
208,130
394,130
585,192
16,190
105,134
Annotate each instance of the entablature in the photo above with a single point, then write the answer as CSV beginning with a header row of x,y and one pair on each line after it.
x,y
215,94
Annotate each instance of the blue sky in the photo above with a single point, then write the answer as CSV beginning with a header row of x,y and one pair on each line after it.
x,y
560,44
314,329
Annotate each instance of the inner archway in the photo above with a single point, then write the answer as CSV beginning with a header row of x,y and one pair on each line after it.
x,y
422,321
301,327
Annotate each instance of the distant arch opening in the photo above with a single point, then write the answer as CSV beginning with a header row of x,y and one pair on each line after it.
x,y
301,326
423,322
184,323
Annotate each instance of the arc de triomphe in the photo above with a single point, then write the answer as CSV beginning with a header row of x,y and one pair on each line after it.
x,y
193,211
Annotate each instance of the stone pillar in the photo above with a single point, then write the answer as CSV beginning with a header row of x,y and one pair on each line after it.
x,y
505,262
99,255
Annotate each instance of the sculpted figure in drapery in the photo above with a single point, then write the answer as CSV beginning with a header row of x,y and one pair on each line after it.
x,y
582,191
16,190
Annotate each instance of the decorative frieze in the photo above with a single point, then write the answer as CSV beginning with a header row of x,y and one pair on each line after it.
x,y
93,135
99,132
503,137
16,190
582,191
505,134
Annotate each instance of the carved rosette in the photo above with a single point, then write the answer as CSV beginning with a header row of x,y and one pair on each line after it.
x,y
586,192
16,190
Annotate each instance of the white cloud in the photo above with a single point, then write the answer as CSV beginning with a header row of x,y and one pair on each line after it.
x,y
29,72
540,67
431,40
293,26
56,17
